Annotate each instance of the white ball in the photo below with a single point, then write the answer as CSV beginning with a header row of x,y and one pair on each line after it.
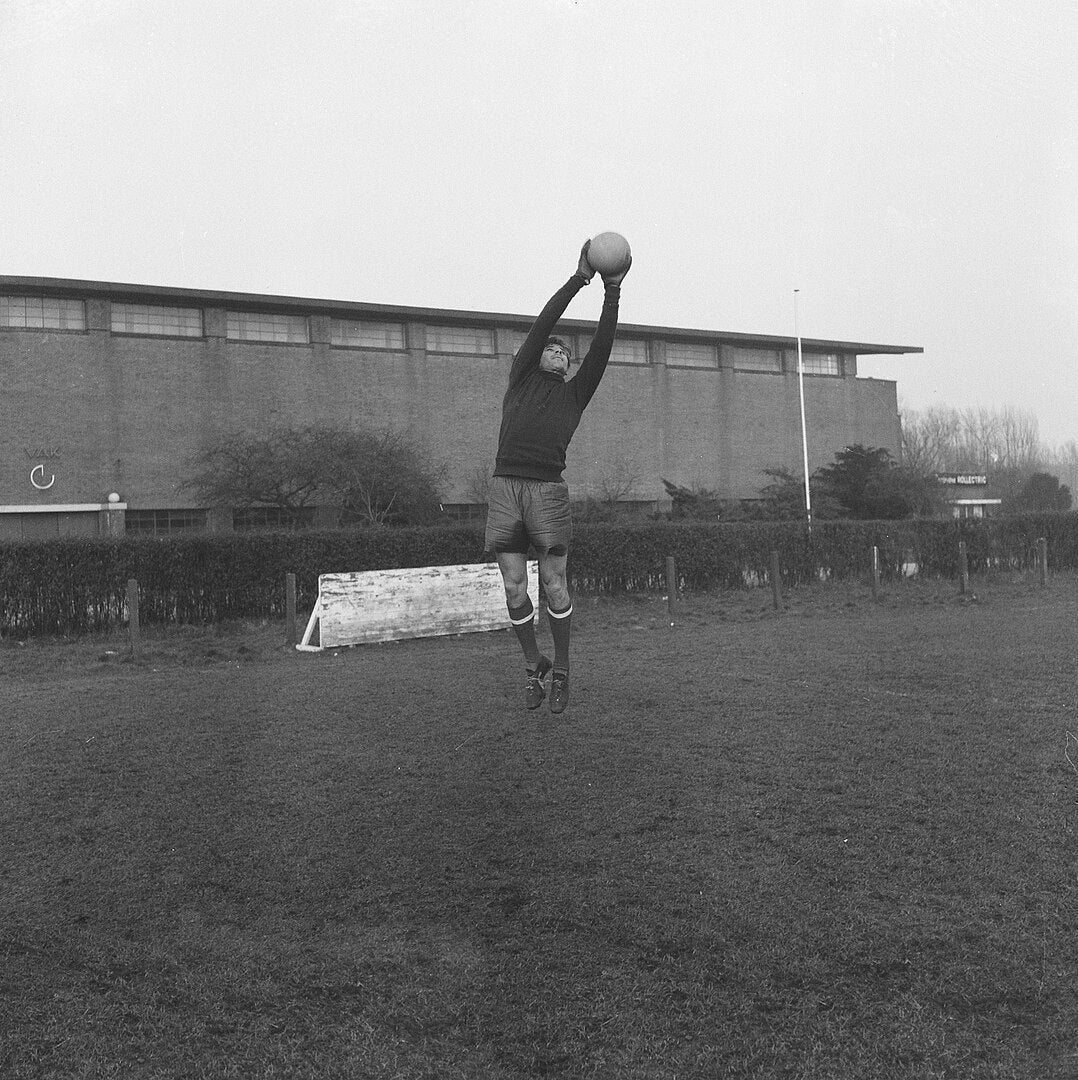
x,y
608,253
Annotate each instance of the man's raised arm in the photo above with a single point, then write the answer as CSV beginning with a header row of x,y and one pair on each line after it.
x,y
586,381
527,357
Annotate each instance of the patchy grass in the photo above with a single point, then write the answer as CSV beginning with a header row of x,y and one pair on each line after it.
x,y
836,841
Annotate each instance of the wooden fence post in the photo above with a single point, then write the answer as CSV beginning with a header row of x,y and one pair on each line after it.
x,y
963,568
133,634
671,587
776,581
290,609
1042,559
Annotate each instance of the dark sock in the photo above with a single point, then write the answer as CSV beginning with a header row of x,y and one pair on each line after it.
x,y
561,630
523,620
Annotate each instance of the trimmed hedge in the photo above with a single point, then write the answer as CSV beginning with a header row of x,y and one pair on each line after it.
x,y
616,558
76,585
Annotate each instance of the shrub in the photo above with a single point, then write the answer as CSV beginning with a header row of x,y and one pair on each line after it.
x,y
75,585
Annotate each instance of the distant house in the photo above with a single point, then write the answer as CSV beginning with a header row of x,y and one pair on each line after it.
x,y
965,494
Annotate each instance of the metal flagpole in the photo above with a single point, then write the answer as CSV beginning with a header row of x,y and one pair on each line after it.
x,y
804,429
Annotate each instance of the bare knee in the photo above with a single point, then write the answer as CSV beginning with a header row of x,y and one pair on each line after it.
x,y
555,587
515,581
516,593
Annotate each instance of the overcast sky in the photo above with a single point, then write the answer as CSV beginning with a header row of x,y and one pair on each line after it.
x,y
910,166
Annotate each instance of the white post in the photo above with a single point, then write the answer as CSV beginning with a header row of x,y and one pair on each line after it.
x,y
804,429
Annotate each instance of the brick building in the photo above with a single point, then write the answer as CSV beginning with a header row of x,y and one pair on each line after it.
x,y
109,388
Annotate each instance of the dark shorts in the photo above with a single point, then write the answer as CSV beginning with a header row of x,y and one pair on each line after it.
x,y
528,512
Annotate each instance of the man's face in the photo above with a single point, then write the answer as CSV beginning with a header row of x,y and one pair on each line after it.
x,y
555,359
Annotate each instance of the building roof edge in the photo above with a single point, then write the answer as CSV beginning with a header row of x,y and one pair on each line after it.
x,y
296,304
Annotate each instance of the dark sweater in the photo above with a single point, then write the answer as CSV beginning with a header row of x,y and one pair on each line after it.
x,y
540,410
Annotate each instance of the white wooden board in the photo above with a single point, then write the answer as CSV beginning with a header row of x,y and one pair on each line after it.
x,y
389,605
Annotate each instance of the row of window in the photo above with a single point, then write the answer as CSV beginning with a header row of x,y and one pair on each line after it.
x,y
42,313
166,522
46,313
162,522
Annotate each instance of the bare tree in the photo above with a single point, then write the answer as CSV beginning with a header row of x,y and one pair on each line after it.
x,y
1064,462
384,478
285,468
618,479
977,440
374,478
1019,441
928,439
477,483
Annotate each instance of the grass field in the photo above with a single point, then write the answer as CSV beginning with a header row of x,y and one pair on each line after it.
x,y
836,841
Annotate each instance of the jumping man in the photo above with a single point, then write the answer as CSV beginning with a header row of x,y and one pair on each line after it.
x,y
529,501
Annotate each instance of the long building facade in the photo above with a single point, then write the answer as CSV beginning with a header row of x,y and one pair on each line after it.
x,y
110,389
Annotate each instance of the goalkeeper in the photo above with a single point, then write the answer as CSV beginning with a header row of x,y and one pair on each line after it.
x,y
529,502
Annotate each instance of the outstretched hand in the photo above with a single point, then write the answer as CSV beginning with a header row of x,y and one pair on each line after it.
x,y
585,269
615,279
